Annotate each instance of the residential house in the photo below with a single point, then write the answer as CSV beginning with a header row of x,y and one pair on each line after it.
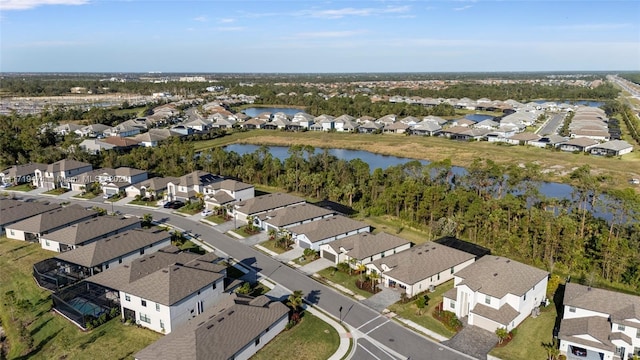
x,y
363,248
93,130
427,128
189,186
289,216
387,119
463,122
154,136
236,328
94,146
303,119
420,268
113,251
20,174
599,324
60,173
327,122
344,123
122,130
86,232
150,188
524,138
612,148
253,124
396,128
13,211
121,143
313,234
551,141
370,127
223,123
66,129
265,203
32,228
223,192
496,292
579,144
121,179
198,125
163,290
181,130
487,124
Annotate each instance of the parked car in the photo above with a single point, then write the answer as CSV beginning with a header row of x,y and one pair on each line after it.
x,y
176,204
207,212
578,351
167,205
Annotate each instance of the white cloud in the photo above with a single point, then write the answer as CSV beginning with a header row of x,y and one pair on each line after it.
x,y
463,8
327,34
30,4
201,18
230,28
340,13
226,21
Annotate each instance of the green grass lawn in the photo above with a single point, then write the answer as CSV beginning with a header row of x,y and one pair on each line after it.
x,y
396,227
85,196
527,343
216,219
191,247
21,187
410,311
144,203
344,279
243,232
53,336
311,339
58,191
271,245
189,211
304,260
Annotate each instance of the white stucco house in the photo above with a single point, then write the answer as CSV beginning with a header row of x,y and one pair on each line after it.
x,y
313,234
599,324
59,174
363,248
496,292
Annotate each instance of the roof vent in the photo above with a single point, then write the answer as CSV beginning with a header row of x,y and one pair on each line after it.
x,y
433,248
420,253
495,274
209,327
508,261
220,320
231,312
165,271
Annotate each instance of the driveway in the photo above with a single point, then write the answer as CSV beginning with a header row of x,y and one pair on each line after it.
x,y
294,253
383,299
317,265
474,341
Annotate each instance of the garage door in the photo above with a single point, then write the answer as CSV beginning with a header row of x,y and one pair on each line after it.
x,y
329,256
485,323
304,244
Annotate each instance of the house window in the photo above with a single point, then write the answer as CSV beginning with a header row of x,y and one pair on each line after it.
x,y
487,299
637,333
143,302
106,266
636,351
452,304
120,261
524,298
257,341
268,328
572,309
620,327
127,297
452,269
382,255
619,351
145,318
438,276
213,286
46,242
12,232
162,325
157,307
142,251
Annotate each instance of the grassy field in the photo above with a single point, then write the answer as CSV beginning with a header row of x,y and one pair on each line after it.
x,y
311,339
410,311
52,336
556,164
271,245
396,227
344,279
522,346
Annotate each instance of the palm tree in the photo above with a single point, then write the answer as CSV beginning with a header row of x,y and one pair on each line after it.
x,y
361,269
374,276
147,219
353,262
295,302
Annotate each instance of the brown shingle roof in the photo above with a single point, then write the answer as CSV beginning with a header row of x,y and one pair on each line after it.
x,y
121,141
104,250
497,276
219,333
595,326
294,214
503,316
44,222
12,211
422,261
267,202
364,245
325,228
90,229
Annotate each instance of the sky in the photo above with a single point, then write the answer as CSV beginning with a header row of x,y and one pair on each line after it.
x,y
301,36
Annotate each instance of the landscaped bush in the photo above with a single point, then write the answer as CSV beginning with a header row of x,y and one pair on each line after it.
x,y
448,318
367,285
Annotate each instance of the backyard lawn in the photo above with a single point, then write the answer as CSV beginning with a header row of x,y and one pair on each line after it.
x,y
271,245
311,339
344,279
522,347
410,311
47,335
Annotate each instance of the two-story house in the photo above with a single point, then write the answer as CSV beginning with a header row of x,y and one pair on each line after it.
x,y
313,234
496,292
223,192
599,324
189,186
59,174
31,229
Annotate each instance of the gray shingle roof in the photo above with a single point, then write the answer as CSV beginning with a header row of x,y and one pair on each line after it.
x,y
267,202
325,228
294,214
503,316
23,170
624,307
156,183
422,261
44,222
229,184
497,276
598,327
218,333
113,247
66,164
90,229
197,177
12,211
615,145
364,245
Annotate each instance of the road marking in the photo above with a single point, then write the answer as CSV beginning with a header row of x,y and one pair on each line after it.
x,y
375,328
367,350
367,323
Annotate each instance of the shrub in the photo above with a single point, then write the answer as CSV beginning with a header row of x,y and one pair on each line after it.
x,y
448,318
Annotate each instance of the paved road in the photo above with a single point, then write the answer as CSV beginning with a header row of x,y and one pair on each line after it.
x,y
551,127
380,335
